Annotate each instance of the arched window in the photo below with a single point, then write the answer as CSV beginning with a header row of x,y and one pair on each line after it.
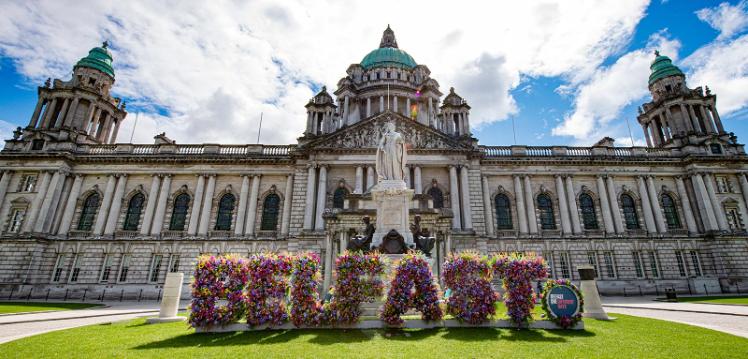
x,y
503,212
179,213
437,196
270,212
671,213
90,207
545,206
629,212
338,198
134,208
589,217
225,212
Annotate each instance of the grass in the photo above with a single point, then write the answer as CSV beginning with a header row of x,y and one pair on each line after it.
x,y
20,307
736,300
627,336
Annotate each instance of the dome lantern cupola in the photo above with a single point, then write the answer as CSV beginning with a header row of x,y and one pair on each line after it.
x,y
663,67
99,58
388,54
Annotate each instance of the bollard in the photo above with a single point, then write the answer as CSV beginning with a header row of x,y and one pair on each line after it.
x,y
158,298
28,297
624,292
66,296
121,295
706,290
103,294
11,293
84,294
737,285
657,290
140,295
46,299
640,291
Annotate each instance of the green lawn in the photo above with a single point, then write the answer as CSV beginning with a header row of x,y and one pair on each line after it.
x,y
18,307
739,300
627,336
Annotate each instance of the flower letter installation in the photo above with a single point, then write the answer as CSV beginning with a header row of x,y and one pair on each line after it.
x,y
305,307
358,280
413,270
562,302
469,278
217,278
266,292
518,272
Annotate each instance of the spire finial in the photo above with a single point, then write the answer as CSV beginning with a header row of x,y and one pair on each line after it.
x,y
388,38
105,44
657,52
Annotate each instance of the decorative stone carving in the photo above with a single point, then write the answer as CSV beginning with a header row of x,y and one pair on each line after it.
x,y
362,242
391,154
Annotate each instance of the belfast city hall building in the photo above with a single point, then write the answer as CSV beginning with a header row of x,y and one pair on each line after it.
x,y
81,211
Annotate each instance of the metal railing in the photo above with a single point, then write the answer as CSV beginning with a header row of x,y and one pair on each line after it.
x,y
573,151
189,149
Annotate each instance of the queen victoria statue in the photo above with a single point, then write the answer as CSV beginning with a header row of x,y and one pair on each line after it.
x,y
391,154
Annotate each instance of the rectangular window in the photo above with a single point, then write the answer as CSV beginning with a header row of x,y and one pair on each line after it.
x,y
106,268
155,267
696,261
723,184
592,260
563,262
734,220
681,264
28,183
124,268
610,267
16,220
638,264
57,270
654,265
174,263
76,271
549,260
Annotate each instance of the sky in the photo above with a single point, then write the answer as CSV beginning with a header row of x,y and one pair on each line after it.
x,y
534,72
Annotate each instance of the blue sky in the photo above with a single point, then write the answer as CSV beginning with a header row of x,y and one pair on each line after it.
x,y
563,72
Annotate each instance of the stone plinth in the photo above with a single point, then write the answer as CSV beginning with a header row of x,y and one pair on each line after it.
x,y
170,300
392,201
593,306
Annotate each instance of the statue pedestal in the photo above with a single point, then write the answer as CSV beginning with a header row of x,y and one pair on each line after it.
x,y
392,201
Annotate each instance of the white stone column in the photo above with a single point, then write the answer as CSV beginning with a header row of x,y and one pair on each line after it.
x,y
60,118
467,210
111,222
113,137
196,206
309,205
370,182
381,104
607,216
686,203
287,195
252,211
71,113
48,113
571,198
418,184
328,264
69,211
407,107
406,177
319,223
615,206
646,206
704,202
36,203
53,191
454,198
242,211
520,199
741,179
163,198
346,111
150,205
106,204
358,189
7,175
487,210
394,104
532,222
719,212
37,110
207,206
654,200
563,206
368,106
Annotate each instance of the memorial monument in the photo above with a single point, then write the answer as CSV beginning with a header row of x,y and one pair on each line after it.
x,y
391,195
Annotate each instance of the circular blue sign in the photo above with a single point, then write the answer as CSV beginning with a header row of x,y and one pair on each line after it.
x,y
563,301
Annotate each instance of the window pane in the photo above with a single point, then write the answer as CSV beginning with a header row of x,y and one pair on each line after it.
x,y
134,208
179,214
90,207
589,217
437,196
503,212
338,198
629,212
270,212
671,213
225,212
545,206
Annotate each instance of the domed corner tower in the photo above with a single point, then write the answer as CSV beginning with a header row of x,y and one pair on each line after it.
x,y
79,111
320,114
455,113
680,117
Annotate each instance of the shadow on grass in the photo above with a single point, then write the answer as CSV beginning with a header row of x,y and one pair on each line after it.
x,y
535,335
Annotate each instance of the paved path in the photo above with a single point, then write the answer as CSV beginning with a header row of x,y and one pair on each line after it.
x,y
730,319
14,327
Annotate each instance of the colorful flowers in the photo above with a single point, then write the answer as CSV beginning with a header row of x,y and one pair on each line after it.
x,y
306,310
358,280
266,289
564,321
217,278
518,273
468,275
412,270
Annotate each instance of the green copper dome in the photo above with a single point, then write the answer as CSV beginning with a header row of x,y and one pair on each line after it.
x,y
663,67
388,54
99,58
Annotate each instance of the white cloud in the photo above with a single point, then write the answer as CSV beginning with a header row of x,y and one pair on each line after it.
x,y
728,19
214,66
600,100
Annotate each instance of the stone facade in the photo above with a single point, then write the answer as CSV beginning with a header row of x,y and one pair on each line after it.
x,y
83,214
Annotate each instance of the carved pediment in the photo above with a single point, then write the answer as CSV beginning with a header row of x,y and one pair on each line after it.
x,y
367,133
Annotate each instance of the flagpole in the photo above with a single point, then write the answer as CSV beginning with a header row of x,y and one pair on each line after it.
x,y
137,114
259,130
